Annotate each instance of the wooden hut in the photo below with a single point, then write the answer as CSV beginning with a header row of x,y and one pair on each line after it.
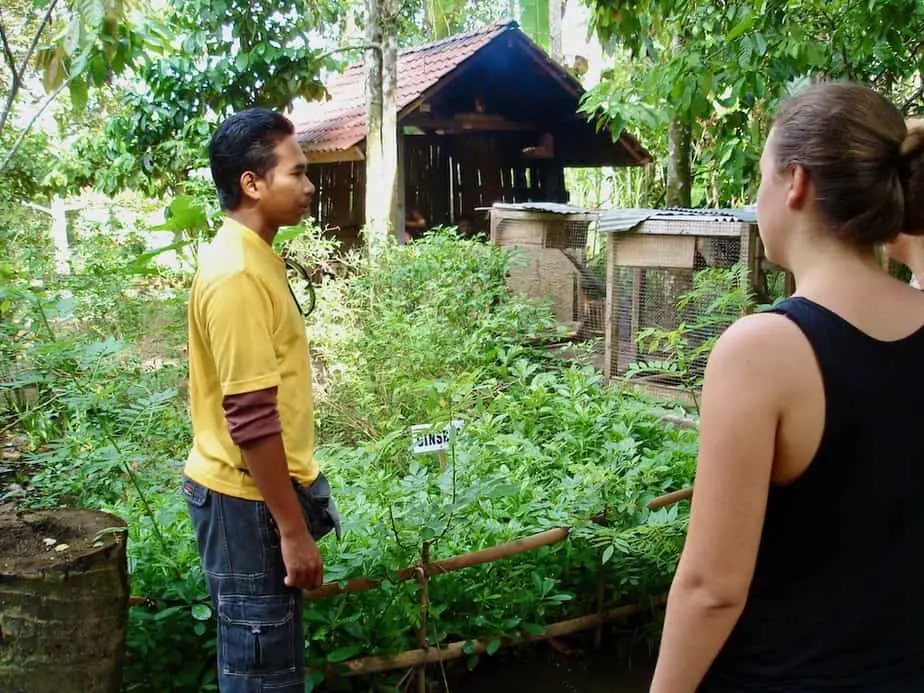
x,y
484,117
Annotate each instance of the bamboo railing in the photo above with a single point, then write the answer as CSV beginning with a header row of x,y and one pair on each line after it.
x,y
425,654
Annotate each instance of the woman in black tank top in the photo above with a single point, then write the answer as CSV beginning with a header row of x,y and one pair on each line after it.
x,y
803,568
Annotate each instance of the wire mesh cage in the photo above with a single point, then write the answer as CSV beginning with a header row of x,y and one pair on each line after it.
x,y
556,262
676,279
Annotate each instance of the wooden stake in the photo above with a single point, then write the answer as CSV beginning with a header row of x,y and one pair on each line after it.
x,y
601,589
424,613
442,460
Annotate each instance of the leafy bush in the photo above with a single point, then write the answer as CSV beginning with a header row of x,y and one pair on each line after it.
x,y
428,334
424,319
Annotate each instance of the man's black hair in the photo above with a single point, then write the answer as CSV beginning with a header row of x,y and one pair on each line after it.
x,y
245,142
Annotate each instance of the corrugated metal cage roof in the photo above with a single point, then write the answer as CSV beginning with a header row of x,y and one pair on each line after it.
x,y
622,220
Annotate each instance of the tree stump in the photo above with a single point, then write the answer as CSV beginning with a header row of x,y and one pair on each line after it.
x,y
63,601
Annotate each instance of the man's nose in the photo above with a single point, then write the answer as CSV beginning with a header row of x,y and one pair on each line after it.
x,y
311,188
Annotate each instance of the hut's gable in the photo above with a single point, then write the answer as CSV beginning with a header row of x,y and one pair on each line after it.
x,y
339,123
484,117
497,68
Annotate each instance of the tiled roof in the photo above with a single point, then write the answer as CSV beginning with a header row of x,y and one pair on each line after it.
x,y
340,122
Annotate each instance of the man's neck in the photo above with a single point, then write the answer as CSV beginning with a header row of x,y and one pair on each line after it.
x,y
255,222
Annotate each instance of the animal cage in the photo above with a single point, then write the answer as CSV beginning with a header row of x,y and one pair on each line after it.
x,y
557,264
679,276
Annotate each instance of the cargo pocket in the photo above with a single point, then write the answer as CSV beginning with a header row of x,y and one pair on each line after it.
x,y
257,634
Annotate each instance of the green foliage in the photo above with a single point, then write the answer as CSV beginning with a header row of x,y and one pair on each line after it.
x,y
23,178
78,45
553,448
99,39
217,58
428,335
425,319
534,19
726,66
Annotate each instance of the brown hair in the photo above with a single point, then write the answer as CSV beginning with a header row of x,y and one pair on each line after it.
x,y
866,167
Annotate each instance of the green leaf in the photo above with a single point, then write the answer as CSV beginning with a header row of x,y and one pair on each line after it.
x,y
79,93
99,71
168,612
607,554
493,646
287,234
342,654
313,680
533,629
534,20
201,612
199,629
744,25
184,213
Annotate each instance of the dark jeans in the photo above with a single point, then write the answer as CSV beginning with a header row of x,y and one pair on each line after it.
x,y
261,639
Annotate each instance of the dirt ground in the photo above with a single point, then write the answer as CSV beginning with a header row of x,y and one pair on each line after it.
x,y
542,669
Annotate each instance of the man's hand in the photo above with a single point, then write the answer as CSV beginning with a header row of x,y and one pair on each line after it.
x,y
304,567
266,459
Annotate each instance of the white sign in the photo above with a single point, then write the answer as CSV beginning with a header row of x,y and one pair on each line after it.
x,y
429,438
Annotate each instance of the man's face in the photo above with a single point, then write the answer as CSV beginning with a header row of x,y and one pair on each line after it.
x,y
287,192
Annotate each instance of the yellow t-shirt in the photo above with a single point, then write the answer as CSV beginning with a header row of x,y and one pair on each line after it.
x,y
245,334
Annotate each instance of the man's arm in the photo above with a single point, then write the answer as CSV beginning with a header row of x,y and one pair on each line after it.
x,y
266,459
238,323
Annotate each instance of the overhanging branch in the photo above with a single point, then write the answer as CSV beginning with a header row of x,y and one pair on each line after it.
x,y
25,131
7,51
18,75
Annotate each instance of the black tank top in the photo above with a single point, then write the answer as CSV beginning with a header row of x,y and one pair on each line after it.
x,y
837,599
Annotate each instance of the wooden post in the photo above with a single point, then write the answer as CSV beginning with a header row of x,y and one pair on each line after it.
x,y
442,460
601,590
638,290
424,613
400,214
611,319
748,256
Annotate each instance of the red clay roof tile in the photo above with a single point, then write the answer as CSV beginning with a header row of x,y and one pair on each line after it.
x,y
340,122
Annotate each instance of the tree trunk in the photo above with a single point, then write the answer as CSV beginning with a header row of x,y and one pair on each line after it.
x,y
59,236
390,123
63,601
556,11
381,124
679,150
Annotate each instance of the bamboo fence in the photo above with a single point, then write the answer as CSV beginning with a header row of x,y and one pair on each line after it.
x,y
425,654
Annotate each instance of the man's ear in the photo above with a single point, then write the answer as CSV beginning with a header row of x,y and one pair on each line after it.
x,y
251,186
798,187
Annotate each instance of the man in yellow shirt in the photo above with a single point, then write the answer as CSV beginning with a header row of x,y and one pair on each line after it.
x,y
254,491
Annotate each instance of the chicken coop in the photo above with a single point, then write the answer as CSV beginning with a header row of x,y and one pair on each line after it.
x,y
556,263
675,280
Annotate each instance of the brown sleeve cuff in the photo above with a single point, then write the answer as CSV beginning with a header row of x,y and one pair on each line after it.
x,y
252,415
